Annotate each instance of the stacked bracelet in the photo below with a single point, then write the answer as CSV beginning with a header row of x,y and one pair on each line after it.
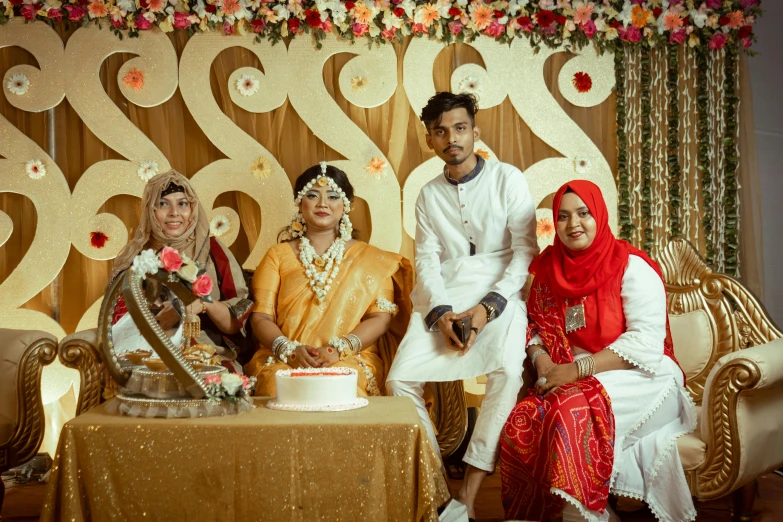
x,y
585,366
342,346
535,356
283,347
355,342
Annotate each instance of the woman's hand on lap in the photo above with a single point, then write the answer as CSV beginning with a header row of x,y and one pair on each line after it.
x,y
302,358
325,356
558,375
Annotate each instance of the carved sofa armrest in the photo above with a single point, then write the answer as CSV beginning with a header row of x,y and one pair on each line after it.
x,y
741,419
80,352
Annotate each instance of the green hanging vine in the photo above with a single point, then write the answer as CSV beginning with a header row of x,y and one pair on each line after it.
x,y
730,102
646,103
624,201
703,126
673,158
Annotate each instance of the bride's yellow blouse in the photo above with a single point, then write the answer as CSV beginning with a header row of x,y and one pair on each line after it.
x,y
369,280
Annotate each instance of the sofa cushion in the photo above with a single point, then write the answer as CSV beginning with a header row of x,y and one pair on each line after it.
x,y
692,449
693,342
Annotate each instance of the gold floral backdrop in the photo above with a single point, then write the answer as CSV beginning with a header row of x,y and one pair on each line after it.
x,y
101,113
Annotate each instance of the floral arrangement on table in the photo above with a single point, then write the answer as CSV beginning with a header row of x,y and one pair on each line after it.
x,y
554,23
180,269
229,387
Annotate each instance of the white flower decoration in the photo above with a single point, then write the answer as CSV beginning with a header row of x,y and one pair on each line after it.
x,y
582,165
231,382
18,84
189,270
247,85
147,170
147,262
471,85
219,225
35,169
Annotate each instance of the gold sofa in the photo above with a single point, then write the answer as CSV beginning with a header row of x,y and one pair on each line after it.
x,y
23,354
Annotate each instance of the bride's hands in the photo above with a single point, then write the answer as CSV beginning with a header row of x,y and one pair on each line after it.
x,y
325,356
302,357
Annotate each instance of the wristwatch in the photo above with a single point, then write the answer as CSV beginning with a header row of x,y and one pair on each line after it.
x,y
491,312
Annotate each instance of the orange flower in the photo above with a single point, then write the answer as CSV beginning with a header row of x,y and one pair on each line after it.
x,y
639,16
426,15
545,228
483,153
231,6
362,14
482,16
376,168
97,9
736,19
134,79
156,6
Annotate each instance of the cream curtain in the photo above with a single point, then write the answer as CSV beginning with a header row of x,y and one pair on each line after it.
x,y
393,127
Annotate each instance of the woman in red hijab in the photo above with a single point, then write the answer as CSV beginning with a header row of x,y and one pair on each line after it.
x,y
609,402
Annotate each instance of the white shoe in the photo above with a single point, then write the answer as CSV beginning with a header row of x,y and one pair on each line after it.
x,y
455,512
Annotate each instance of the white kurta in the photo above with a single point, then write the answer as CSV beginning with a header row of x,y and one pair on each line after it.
x,y
493,211
651,407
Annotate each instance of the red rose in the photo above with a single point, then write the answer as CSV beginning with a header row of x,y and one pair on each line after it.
x,y
657,12
499,14
525,23
615,24
16,2
349,5
210,8
181,20
313,18
560,19
75,12
170,258
686,21
142,24
29,11
360,29
723,20
544,18
582,82
202,285
293,24
744,32
258,25
454,12
55,13
399,12
118,23
144,4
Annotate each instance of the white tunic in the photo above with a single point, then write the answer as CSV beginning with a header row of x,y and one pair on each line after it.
x,y
651,407
494,212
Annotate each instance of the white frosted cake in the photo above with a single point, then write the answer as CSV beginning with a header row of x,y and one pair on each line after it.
x,y
316,389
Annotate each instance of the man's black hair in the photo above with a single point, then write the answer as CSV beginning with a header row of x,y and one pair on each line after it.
x,y
442,102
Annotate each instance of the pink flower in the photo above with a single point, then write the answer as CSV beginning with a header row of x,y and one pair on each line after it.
x,y
713,4
588,28
55,13
747,42
494,29
455,27
736,19
717,41
672,21
583,14
231,6
75,12
171,259
359,29
212,379
389,34
228,28
677,37
202,285
142,24
245,382
630,34
97,9
29,11
181,21
747,4
525,23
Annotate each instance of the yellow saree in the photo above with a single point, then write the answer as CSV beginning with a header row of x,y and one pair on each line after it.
x,y
281,289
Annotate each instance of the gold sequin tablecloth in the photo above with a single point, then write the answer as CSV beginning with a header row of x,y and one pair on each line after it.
x,y
370,464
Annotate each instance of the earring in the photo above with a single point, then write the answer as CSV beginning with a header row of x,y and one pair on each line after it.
x,y
346,228
298,227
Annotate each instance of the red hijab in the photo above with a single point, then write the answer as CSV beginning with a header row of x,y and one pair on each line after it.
x,y
595,273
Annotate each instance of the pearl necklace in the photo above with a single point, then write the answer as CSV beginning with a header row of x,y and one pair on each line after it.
x,y
329,265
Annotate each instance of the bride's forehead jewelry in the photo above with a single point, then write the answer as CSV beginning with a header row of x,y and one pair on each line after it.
x,y
322,181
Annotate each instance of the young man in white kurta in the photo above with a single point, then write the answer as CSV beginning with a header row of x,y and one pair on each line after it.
x,y
475,239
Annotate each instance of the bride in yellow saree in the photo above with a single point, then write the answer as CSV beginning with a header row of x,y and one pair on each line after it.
x,y
324,299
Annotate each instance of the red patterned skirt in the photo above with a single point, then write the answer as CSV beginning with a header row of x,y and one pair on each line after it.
x,y
564,441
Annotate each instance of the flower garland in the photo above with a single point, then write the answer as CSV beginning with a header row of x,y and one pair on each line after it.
x,y
623,185
673,159
645,97
730,198
703,126
569,23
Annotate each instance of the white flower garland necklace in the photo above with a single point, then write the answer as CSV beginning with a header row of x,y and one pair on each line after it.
x,y
322,270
